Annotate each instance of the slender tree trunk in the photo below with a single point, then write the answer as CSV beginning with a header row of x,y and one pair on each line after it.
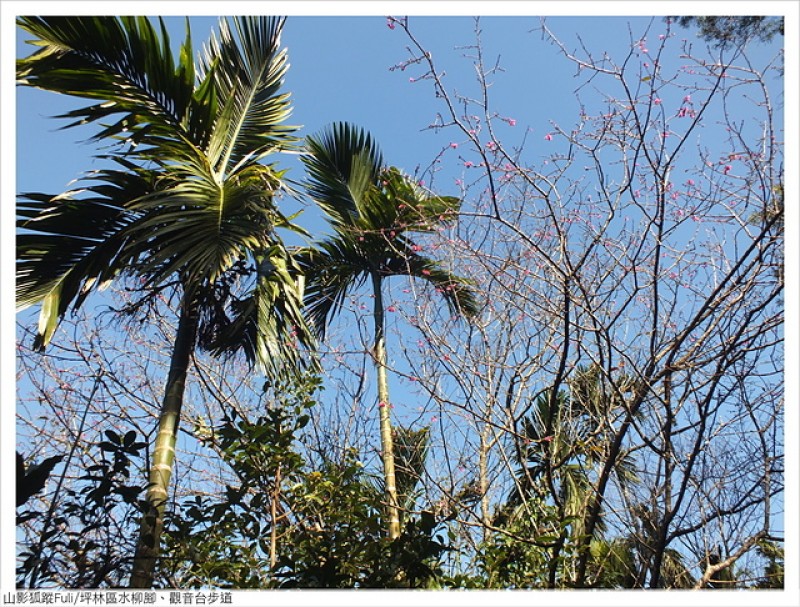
x,y
273,510
483,480
384,408
152,523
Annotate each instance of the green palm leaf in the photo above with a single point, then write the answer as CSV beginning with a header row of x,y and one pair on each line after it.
x,y
72,243
248,73
267,324
332,269
343,165
124,62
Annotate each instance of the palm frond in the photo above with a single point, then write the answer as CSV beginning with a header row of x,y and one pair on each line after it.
x,y
403,205
125,62
332,269
458,292
267,324
248,69
197,227
614,562
343,164
72,243
411,449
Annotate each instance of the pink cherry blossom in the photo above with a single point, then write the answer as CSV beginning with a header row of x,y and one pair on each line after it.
x,y
657,101
548,137
454,145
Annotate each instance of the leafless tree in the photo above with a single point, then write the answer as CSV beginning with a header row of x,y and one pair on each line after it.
x,y
643,241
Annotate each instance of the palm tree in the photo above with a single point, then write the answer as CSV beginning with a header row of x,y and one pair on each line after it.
x,y
372,210
562,441
187,207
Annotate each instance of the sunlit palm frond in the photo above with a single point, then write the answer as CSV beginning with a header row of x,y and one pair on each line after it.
x,y
197,228
614,563
125,62
248,67
401,204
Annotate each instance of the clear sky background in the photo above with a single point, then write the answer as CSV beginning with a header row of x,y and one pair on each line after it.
x,y
340,71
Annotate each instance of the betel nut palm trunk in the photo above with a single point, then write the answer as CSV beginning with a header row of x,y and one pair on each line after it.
x,y
384,409
152,521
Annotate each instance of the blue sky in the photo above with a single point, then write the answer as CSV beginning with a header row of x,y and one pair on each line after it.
x,y
340,71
